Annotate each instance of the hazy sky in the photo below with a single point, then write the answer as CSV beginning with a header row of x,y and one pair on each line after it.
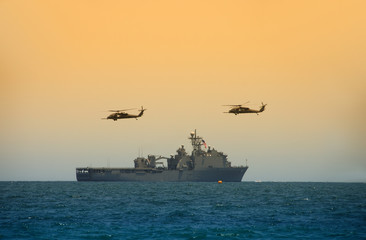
x,y
63,64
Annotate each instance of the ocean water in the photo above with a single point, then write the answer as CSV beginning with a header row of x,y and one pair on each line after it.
x,y
120,210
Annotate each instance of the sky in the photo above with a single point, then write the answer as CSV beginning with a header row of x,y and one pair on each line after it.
x,y
64,64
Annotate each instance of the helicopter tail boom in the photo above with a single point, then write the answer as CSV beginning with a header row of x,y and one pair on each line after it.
x,y
141,111
262,108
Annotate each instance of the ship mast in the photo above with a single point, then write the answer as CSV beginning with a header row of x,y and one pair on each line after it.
x,y
196,141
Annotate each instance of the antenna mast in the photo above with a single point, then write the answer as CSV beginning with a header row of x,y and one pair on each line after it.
x,y
196,141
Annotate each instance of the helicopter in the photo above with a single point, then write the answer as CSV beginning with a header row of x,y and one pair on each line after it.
x,y
238,109
120,114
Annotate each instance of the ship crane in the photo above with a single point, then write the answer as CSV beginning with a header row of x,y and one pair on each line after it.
x,y
154,158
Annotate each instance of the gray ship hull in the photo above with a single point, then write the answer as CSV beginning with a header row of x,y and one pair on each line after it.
x,y
231,174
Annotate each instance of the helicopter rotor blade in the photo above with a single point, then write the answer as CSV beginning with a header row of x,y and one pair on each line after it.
x,y
237,105
122,110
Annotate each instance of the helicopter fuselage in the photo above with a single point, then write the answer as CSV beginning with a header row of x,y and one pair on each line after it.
x,y
122,115
116,116
238,110
243,110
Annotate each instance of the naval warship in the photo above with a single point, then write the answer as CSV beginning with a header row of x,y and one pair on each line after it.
x,y
202,165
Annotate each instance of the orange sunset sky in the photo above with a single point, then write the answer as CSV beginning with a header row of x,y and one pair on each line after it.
x,y
64,64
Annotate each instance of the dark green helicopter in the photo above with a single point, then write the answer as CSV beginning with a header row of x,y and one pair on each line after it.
x,y
238,109
120,114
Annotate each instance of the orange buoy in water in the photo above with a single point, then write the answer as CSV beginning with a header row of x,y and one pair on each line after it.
x,y
219,181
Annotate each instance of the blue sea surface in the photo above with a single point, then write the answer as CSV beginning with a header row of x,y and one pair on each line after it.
x,y
125,210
